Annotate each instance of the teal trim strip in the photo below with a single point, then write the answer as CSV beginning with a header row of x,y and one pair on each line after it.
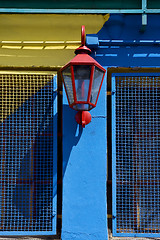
x,y
70,11
144,15
77,11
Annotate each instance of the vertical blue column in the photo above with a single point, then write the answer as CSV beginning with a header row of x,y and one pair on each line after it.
x,y
84,212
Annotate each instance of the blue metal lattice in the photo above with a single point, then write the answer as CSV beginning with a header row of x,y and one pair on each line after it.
x,y
136,154
28,154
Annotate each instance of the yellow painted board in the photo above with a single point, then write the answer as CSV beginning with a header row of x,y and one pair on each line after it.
x,y
43,39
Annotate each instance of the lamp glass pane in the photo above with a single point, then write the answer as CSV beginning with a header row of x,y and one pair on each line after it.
x,y
68,83
97,79
82,79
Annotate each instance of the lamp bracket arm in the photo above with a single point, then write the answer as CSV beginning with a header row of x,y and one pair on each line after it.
x,y
83,35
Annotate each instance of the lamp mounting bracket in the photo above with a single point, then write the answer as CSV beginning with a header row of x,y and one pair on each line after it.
x,y
83,48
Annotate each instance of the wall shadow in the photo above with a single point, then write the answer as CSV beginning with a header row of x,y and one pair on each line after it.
x,y
27,169
71,133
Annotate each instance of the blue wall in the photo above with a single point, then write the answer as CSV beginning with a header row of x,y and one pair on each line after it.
x,y
84,213
138,46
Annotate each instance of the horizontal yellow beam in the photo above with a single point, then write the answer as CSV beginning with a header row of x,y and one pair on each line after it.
x,y
46,45
47,40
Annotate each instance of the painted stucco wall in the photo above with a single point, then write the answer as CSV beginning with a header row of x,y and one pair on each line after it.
x,y
84,203
122,30
84,181
121,33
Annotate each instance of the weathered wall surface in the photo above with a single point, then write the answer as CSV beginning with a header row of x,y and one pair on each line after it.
x,y
118,49
84,181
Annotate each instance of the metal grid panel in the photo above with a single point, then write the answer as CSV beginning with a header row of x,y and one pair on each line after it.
x,y
136,155
27,165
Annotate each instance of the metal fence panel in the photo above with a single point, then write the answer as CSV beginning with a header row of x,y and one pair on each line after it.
x,y
136,154
28,158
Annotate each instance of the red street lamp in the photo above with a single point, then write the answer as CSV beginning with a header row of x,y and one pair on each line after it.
x,y
82,78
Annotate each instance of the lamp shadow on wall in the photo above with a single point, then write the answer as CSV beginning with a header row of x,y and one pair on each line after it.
x,y
28,163
72,133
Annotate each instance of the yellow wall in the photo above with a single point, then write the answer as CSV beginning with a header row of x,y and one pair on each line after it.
x,y
47,40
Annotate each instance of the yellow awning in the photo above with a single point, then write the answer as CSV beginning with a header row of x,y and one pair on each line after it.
x,y
45,40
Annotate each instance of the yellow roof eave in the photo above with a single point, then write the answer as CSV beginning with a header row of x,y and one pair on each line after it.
x,y
47,40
